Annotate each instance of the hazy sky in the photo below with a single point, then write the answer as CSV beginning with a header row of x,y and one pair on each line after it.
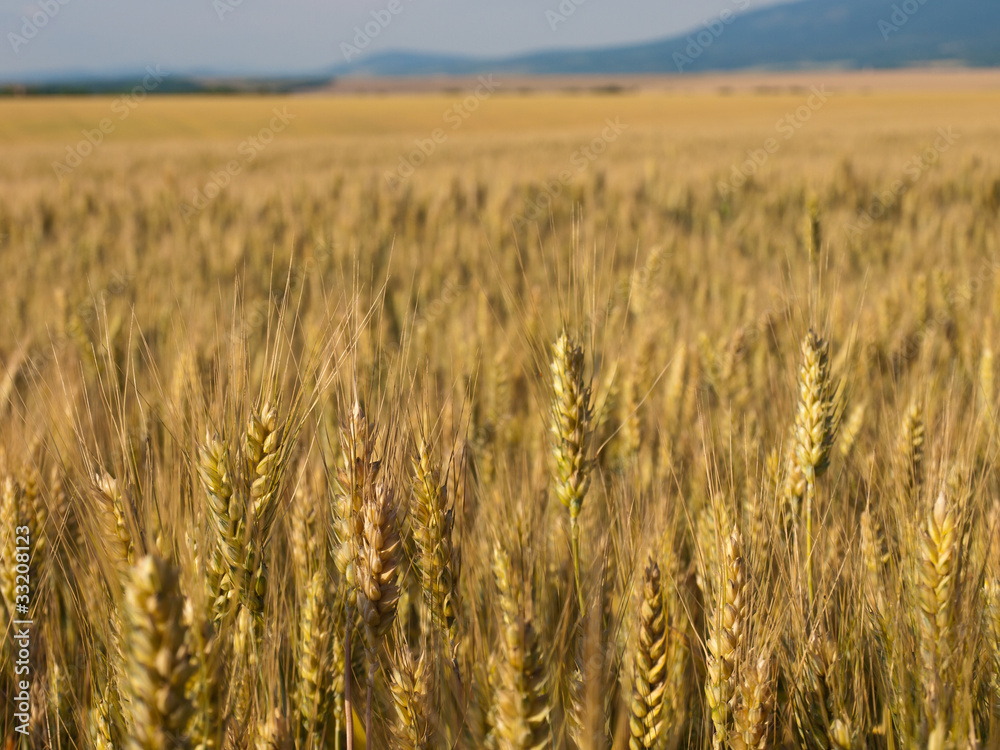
x,y
306,35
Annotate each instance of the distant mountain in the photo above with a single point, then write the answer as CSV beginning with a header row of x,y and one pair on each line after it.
x,y
792,36
796,35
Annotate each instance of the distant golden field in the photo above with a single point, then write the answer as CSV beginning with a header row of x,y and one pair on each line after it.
x,y
498,418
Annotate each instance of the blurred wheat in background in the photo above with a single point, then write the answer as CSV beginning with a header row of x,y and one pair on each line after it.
x,y
333,461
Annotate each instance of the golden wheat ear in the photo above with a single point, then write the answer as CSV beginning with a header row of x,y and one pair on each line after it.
x,y
572,414
816,425
205,688
726,630
754,716
520,710
412,694
433,522
649,679
159,662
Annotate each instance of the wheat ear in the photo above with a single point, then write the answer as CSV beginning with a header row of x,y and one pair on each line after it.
x,y
936,594
754,718
312,583
649,680
411,694
815,429
227,523
571,418
204,689
115,521
433,521
726,634
520,709
378,587
910,451
354,480
159,663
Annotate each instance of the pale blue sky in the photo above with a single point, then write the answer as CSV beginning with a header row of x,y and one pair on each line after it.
x,y
306,35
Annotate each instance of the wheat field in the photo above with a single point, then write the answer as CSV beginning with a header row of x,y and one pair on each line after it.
x,y
500,418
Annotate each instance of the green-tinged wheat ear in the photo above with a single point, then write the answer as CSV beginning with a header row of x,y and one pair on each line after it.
x,y
910,450
726,633
205,687
159,662
311,691
571,427
754,716
649,679
412,694
227,523
816,423
433,521
520,708
117,536
936,594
